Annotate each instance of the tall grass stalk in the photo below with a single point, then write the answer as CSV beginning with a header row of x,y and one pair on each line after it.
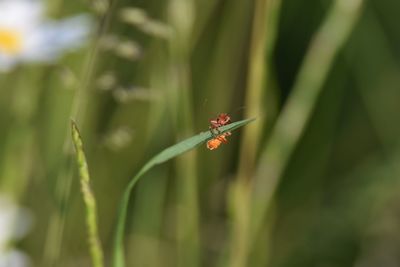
x,y
226,55
64,180
327,42
89,200
262,41
181,14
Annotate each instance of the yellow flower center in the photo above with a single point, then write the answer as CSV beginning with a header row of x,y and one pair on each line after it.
x,y
10,41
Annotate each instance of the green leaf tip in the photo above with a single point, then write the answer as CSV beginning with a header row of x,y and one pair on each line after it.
x,y
76,136
163,156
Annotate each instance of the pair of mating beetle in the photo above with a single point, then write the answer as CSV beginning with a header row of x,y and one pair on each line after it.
x,y
221,120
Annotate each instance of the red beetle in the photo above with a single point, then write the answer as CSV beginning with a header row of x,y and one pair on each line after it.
x,y
221,120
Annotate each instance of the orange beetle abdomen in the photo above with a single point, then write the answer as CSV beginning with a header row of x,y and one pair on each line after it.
x,y
213,144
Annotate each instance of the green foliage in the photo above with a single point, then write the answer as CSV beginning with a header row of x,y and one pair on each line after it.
x,y
312,182
163,156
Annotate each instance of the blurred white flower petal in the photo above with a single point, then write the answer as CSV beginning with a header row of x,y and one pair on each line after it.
x,y
14,258
15,221
13,10
47,42
26,36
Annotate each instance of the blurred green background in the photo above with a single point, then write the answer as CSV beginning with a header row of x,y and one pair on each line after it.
x,y
313,182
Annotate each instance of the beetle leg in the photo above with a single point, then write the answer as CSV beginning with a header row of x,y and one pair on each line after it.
x,y
214,123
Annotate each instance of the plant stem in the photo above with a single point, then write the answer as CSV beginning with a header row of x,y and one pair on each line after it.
x,y
181,17
89,200
262,41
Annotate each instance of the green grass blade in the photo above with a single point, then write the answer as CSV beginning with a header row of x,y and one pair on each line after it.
x,y
88,198
162,157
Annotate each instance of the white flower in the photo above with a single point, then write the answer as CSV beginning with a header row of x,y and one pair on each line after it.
x,y
13,258
26,36
14,224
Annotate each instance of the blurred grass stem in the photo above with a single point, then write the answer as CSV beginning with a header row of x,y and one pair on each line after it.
x,y
262,41
181,17
330,38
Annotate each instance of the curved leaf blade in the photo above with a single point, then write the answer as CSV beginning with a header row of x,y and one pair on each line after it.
x,y
163,156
